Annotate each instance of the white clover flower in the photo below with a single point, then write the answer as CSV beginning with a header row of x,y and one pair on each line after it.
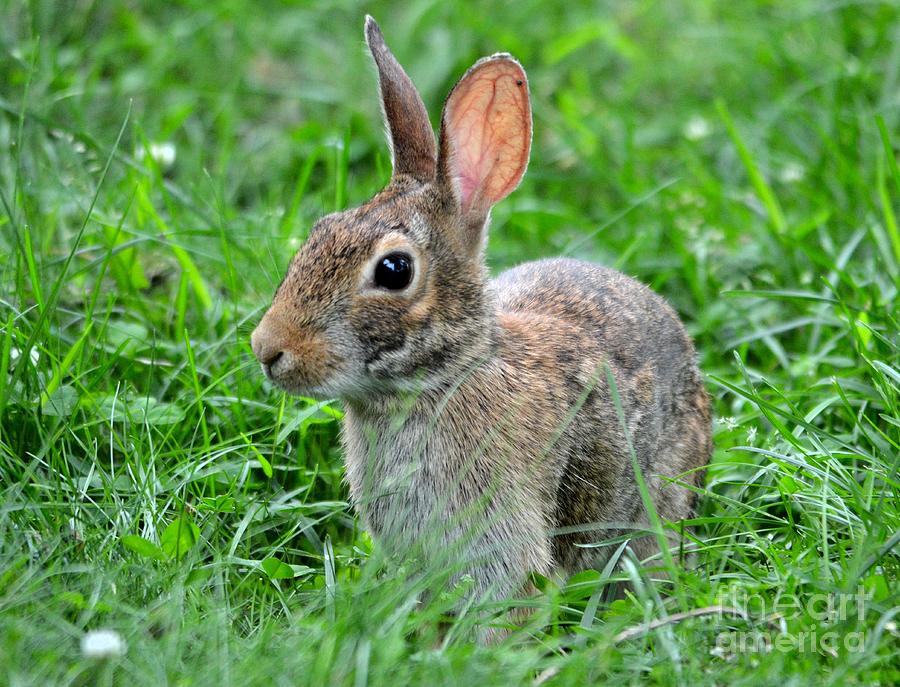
x,y
102,644
696,128
163,154
791,172
729,422
688,226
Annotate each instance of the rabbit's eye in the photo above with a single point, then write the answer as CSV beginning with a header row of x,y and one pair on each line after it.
x,y
394,271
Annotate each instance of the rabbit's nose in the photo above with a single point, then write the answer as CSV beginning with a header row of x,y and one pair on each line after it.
x,y
266,345
267,365
293,357
273,359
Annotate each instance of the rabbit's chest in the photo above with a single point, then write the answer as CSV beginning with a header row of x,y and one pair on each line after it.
x,y
392,477
411,478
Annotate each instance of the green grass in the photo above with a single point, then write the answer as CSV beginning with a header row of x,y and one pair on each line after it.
x,y
739,157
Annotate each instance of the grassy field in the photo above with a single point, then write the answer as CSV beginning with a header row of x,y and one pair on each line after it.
x,y
161,162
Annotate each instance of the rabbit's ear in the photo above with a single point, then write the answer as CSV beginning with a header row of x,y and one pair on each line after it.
x,y
485,135
410,133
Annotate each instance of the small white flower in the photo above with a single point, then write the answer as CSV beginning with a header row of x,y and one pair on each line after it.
x,y
696,128
163,154
791,172
102,644
751,435
729,422
688,226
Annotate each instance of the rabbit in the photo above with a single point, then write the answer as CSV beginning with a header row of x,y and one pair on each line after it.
x,y
479,408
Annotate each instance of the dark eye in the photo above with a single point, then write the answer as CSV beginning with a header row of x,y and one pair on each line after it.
x,y
394,271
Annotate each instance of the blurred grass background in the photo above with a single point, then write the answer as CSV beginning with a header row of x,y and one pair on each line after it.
x,y
160,164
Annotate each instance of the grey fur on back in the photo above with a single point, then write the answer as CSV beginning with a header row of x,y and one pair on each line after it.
x,y
608,319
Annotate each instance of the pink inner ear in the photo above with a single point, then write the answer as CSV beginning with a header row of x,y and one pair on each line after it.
x,y
488,120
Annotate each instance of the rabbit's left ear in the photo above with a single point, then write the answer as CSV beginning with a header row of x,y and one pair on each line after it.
x,y
485,135
411,136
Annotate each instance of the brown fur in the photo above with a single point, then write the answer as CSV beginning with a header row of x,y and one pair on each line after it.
x,y
479,414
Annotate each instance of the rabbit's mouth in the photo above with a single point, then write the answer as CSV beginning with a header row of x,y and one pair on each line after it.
x,y
292,373
298,362
287,369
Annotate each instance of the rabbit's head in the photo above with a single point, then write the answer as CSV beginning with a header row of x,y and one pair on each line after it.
x,y
393,294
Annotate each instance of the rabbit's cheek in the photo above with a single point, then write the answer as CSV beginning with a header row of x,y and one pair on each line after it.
x,y
376,324
421,311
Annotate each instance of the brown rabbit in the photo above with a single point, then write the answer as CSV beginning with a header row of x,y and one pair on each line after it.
x,y
480,409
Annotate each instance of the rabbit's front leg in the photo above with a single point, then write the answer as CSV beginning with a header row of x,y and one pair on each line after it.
x,y
504,548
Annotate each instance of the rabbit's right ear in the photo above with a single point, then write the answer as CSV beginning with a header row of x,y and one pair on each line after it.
x,y
410,133
485,138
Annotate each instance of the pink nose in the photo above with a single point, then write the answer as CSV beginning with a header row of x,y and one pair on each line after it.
x,y
270,342
266,348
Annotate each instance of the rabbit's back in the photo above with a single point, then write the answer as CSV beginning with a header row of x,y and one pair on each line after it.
x,y
631,323
608,322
